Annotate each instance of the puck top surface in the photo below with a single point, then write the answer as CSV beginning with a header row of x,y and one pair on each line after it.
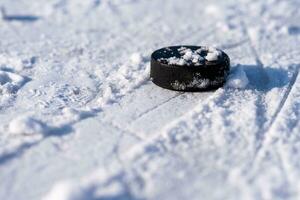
x,y
189,68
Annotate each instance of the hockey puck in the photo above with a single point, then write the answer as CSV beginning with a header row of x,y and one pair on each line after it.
x,y
189,68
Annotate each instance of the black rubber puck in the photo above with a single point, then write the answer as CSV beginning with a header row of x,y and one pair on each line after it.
x,y
189,68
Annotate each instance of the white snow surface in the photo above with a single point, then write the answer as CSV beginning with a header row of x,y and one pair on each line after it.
x,y
80,118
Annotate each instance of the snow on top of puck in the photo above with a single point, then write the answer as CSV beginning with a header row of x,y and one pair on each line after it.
x,y
213,54
196,57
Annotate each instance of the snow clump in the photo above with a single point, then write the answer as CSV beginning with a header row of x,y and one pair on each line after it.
x,y
26,125
237,79
136,58
10,82
212,54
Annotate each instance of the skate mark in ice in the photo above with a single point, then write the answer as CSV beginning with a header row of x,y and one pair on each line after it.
x,y
21,18
267,82
233,45
182,132
277,79
261,80
285,97
133,176
140,115
61,130
122,84
280,106
166,101
54,131
284,128
183,39
124,130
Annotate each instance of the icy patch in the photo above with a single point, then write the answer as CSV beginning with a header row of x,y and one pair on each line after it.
x,y
26,125
237,79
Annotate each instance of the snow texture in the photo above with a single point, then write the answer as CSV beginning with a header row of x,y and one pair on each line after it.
x,y
80,118
193,57
237,78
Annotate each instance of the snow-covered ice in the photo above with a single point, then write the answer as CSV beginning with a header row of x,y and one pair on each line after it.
x,y
80,118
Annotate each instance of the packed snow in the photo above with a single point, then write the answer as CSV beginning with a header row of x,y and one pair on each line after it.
x,y
81,119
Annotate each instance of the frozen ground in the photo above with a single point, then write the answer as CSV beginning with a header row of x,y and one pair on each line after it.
x,y
80,120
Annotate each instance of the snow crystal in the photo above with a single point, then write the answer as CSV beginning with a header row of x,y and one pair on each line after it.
x,y
26,125
237,79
